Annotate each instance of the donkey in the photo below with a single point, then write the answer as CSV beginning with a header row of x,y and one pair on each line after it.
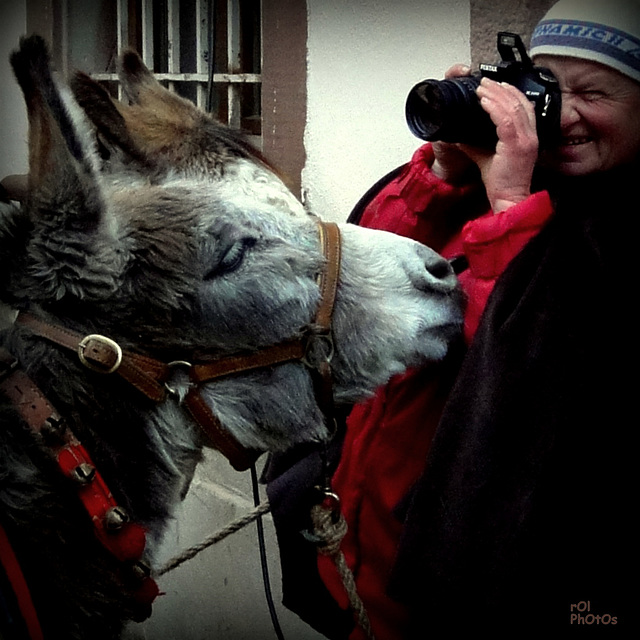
x,y
148,295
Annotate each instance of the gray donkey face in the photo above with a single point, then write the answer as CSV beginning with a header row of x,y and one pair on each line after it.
x,y
201,247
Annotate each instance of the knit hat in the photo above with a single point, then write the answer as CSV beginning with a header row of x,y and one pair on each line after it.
x,y
605,31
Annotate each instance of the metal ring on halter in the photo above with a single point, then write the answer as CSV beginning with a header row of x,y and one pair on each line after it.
x,y
172,365
313,351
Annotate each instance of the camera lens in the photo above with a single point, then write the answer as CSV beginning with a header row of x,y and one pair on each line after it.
x,y
448,110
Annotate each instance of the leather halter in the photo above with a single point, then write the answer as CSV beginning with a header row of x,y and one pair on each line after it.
x,y
125,539
151,376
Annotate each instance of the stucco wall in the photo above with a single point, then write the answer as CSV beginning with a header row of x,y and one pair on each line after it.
x,y
13,117
363,57
13,120
490,16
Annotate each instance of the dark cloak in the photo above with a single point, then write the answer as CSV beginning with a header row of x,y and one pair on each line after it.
x,y
523,515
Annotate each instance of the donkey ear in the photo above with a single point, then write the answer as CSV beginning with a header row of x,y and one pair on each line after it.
x,y
169,128
71,249
106,115
141,87
63,164
156,117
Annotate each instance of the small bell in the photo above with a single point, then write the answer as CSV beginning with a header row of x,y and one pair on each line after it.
x,y
84,473
115,518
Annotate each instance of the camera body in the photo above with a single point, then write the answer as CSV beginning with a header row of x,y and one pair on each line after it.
x,y
449,110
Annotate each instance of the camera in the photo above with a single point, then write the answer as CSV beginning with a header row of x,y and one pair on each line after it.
x,y
449,110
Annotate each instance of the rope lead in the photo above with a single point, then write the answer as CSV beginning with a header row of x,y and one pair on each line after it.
x,y
232,527
329,528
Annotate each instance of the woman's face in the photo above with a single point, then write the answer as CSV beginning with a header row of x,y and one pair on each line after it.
x,y
600,122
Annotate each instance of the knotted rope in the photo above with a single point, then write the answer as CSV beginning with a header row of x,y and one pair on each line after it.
x,y
232,527
329,528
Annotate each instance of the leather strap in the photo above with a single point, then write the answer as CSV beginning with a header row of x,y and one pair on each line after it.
x,y
239,457
25,395
102,354
276,354
332,250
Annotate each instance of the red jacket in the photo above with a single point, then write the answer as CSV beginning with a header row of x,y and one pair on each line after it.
x,y
388,437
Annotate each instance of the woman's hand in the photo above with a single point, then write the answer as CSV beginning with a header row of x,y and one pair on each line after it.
x,y
507,171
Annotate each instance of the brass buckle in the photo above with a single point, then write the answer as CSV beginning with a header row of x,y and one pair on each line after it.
x,y
106,341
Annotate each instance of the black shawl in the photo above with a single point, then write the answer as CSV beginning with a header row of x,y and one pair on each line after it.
x,y
523,515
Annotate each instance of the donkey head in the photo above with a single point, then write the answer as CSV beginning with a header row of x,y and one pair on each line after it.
x,y
201,249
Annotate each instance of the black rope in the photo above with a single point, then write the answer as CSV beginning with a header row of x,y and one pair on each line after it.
x,y
263,558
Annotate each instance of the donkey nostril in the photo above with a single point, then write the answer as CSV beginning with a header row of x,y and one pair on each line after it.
x,y
440,269
438,274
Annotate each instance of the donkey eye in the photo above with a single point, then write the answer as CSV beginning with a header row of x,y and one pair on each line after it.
x,y
232,258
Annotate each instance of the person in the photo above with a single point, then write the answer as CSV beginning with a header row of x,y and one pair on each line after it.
x,y
13,190
491,491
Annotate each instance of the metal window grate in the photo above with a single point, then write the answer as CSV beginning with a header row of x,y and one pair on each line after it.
x,y
209,51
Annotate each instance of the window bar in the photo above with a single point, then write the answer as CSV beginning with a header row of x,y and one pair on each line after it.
x,y
147,33
122,33
173,35
233,76
204,56
64,39
233,62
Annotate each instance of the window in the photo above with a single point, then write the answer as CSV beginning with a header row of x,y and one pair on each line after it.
x,y
259,70
208,51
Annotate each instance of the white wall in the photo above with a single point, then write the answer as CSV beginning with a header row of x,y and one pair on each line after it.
x,y
363,58
13,117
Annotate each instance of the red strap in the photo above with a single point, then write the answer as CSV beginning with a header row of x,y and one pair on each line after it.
x,y
19,586
127,541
